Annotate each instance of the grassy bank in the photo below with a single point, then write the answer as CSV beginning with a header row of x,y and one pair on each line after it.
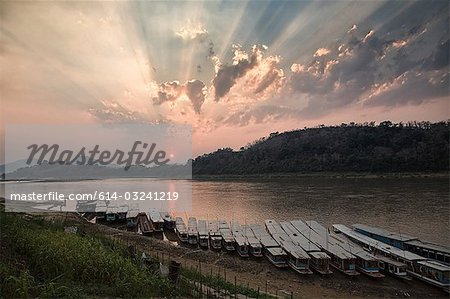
x,y
41,260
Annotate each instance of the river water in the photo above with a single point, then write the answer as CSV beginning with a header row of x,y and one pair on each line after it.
x,y
415,206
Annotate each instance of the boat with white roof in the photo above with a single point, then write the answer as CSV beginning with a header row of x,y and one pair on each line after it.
x,y
430,271
271,249
340,258
203,236
227,236
239,239
320,261
298,259
156,219
192,231
215,239
181,229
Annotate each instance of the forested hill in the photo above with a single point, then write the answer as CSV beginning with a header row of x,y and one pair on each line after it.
x,y
387,147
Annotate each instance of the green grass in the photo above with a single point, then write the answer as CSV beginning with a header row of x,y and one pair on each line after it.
x,y
39,260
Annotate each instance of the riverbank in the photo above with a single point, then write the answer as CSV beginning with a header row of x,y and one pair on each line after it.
x,y
251,274
352,175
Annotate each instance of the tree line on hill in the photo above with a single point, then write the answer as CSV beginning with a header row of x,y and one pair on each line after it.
x,y
353,147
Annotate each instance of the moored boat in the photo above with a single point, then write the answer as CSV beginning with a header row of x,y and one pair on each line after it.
x,y
320,261
122,213
271,249
227,236
203,236
392,267
239,239
406,242
111,213
340,259
192,231
169,222
156,219
215,239
298,259
132,217
430,271
144,225
100,210
181,229
254,245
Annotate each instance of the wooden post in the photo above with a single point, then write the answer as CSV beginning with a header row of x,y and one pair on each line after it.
x,y
266,286
235,287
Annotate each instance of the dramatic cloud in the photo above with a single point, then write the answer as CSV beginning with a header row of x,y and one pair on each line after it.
x,y
406,66
260,72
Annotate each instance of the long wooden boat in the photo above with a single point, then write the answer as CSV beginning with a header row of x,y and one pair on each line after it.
x,y
215,239
181,229
298,259
227,236
156,219
169,222
132,217
430,271
100,210
122,213
203,236
144,225
111,213
392,267
271,249
320,261
340,258
239,239
192,231
406,242
253,242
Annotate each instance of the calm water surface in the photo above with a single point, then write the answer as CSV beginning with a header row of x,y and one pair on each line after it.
x,y
417,206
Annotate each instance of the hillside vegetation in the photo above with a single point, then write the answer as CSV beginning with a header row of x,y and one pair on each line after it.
x,y
387,147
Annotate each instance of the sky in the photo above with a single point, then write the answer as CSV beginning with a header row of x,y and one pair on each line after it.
x,y
234,70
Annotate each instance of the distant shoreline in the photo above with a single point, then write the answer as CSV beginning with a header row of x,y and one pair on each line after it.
x,y
337,175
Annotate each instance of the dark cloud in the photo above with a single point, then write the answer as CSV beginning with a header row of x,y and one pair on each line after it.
x,y
226,75
406,65
195,90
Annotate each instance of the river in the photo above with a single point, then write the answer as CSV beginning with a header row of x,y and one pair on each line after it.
x,y
415,206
